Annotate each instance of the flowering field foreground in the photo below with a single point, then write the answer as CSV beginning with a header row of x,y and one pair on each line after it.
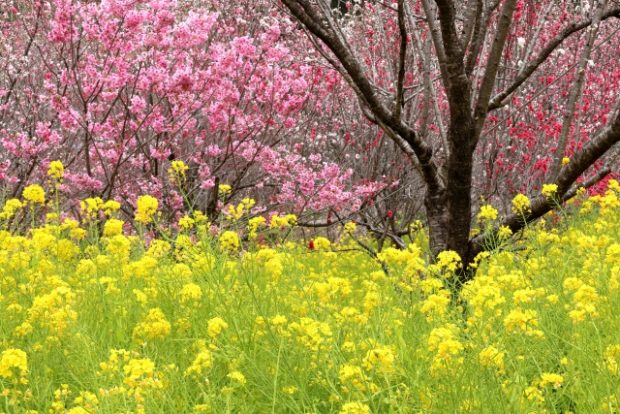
x,y
108,325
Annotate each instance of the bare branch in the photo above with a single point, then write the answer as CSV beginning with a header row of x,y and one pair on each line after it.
x,y
302,10
531,67
569,111
399,101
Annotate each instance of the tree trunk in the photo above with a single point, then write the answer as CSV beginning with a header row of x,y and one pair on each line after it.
x,y
458,197
437,217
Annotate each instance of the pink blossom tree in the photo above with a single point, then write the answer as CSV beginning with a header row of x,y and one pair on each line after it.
x,y
117,90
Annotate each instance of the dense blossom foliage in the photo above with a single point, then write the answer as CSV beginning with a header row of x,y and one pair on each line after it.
x,y
118,91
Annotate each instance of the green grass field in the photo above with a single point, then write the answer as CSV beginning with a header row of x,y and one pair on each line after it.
x,y
198,325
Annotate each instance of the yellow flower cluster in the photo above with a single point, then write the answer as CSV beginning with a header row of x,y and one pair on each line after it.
x,y
551,379
254,224
224,189
146,209
350,227
186,222
177,172
380,359
322,243
355,407
281,222
244,207
229,241
14,364
521,204
202,362
487,212
216,326
10,208
122,323
92,207
493,358
448,262
113,227
34,194
447,349
549,190
523,321
153,326
56,171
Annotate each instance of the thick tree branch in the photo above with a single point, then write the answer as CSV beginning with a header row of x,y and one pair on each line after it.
x,y
309,17
472,19
540,205
488,81
478,36
399,101
451,41
456,82
436,36
531,67
600,174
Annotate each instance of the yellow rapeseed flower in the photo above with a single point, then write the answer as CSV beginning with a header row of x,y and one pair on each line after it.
x,y
350,227
238,377
521,204
202,362
282,222
555,380
487,212
355,407
189,293
215,326
254,224
229,241
146,209
549,190
139,373
34,194
322,243
153,326
10,208
492,357
13,361
56,170
113,227
177,171
380,359
504,232
612,359
186,222
224,189
110,207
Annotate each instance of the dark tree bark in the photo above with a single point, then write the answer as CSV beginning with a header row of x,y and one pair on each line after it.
x,y
448,200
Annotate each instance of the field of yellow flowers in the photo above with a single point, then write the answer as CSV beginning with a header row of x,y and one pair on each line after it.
x,y
196,323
